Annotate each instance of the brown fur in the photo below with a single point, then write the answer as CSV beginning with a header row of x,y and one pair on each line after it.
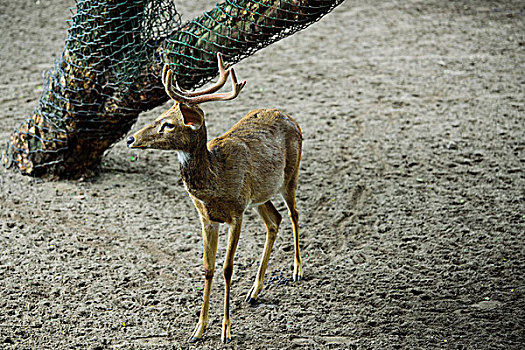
x,y
255,160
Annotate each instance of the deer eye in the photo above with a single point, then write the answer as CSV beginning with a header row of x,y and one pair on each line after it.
x,y
167,125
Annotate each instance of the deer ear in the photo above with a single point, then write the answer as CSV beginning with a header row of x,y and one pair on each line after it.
x,y
192,116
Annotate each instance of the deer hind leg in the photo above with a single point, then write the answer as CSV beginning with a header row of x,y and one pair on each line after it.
x,y
210,234
288,194
233,239
272,220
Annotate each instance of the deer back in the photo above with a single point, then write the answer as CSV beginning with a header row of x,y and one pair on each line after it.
x,y
254,156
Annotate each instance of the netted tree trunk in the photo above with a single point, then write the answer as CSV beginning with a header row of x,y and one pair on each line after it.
x,y
109,71
101,82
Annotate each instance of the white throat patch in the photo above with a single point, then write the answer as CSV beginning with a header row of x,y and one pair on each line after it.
x,y
184,157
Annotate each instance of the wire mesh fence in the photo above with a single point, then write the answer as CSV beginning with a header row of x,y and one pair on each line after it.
x,y
109,71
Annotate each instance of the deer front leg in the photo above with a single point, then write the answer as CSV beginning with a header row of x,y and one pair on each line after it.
x,y
233,239
272,220
210,234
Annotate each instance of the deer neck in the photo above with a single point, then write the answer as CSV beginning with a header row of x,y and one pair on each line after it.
x,y
195,166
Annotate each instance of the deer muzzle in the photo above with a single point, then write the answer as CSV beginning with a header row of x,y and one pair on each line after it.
x,y
130,141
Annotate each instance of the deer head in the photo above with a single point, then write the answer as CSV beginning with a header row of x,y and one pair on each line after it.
x,y
182,125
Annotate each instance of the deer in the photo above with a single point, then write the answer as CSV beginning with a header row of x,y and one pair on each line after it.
x,y
257,159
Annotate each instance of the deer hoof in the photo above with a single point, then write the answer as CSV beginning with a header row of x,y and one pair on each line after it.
x,y
226,340
194,339
251,301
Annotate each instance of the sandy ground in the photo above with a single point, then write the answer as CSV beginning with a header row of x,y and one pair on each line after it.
x,y
411,194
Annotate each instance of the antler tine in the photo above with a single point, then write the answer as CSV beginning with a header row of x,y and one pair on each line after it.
x,y
173,93
236,89
223,71
163,76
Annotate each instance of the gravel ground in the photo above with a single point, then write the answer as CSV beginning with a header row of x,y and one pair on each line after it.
x,y
411,194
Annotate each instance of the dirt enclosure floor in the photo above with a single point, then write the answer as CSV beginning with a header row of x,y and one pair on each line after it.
x,y
411,195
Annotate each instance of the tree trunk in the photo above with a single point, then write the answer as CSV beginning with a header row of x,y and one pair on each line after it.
x,y
109,71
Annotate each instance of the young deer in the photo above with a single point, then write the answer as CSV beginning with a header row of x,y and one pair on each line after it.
x,y
256,159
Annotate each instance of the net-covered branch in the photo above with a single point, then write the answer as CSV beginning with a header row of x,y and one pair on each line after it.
x,y
109,71
237,29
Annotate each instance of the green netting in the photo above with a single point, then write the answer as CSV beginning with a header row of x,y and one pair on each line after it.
x,y
237,29
109,71
103,79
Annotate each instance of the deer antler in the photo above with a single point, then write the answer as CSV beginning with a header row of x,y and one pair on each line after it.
x,y
223,70
206,95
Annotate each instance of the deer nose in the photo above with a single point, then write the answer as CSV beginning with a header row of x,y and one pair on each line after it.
x,y
130,140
